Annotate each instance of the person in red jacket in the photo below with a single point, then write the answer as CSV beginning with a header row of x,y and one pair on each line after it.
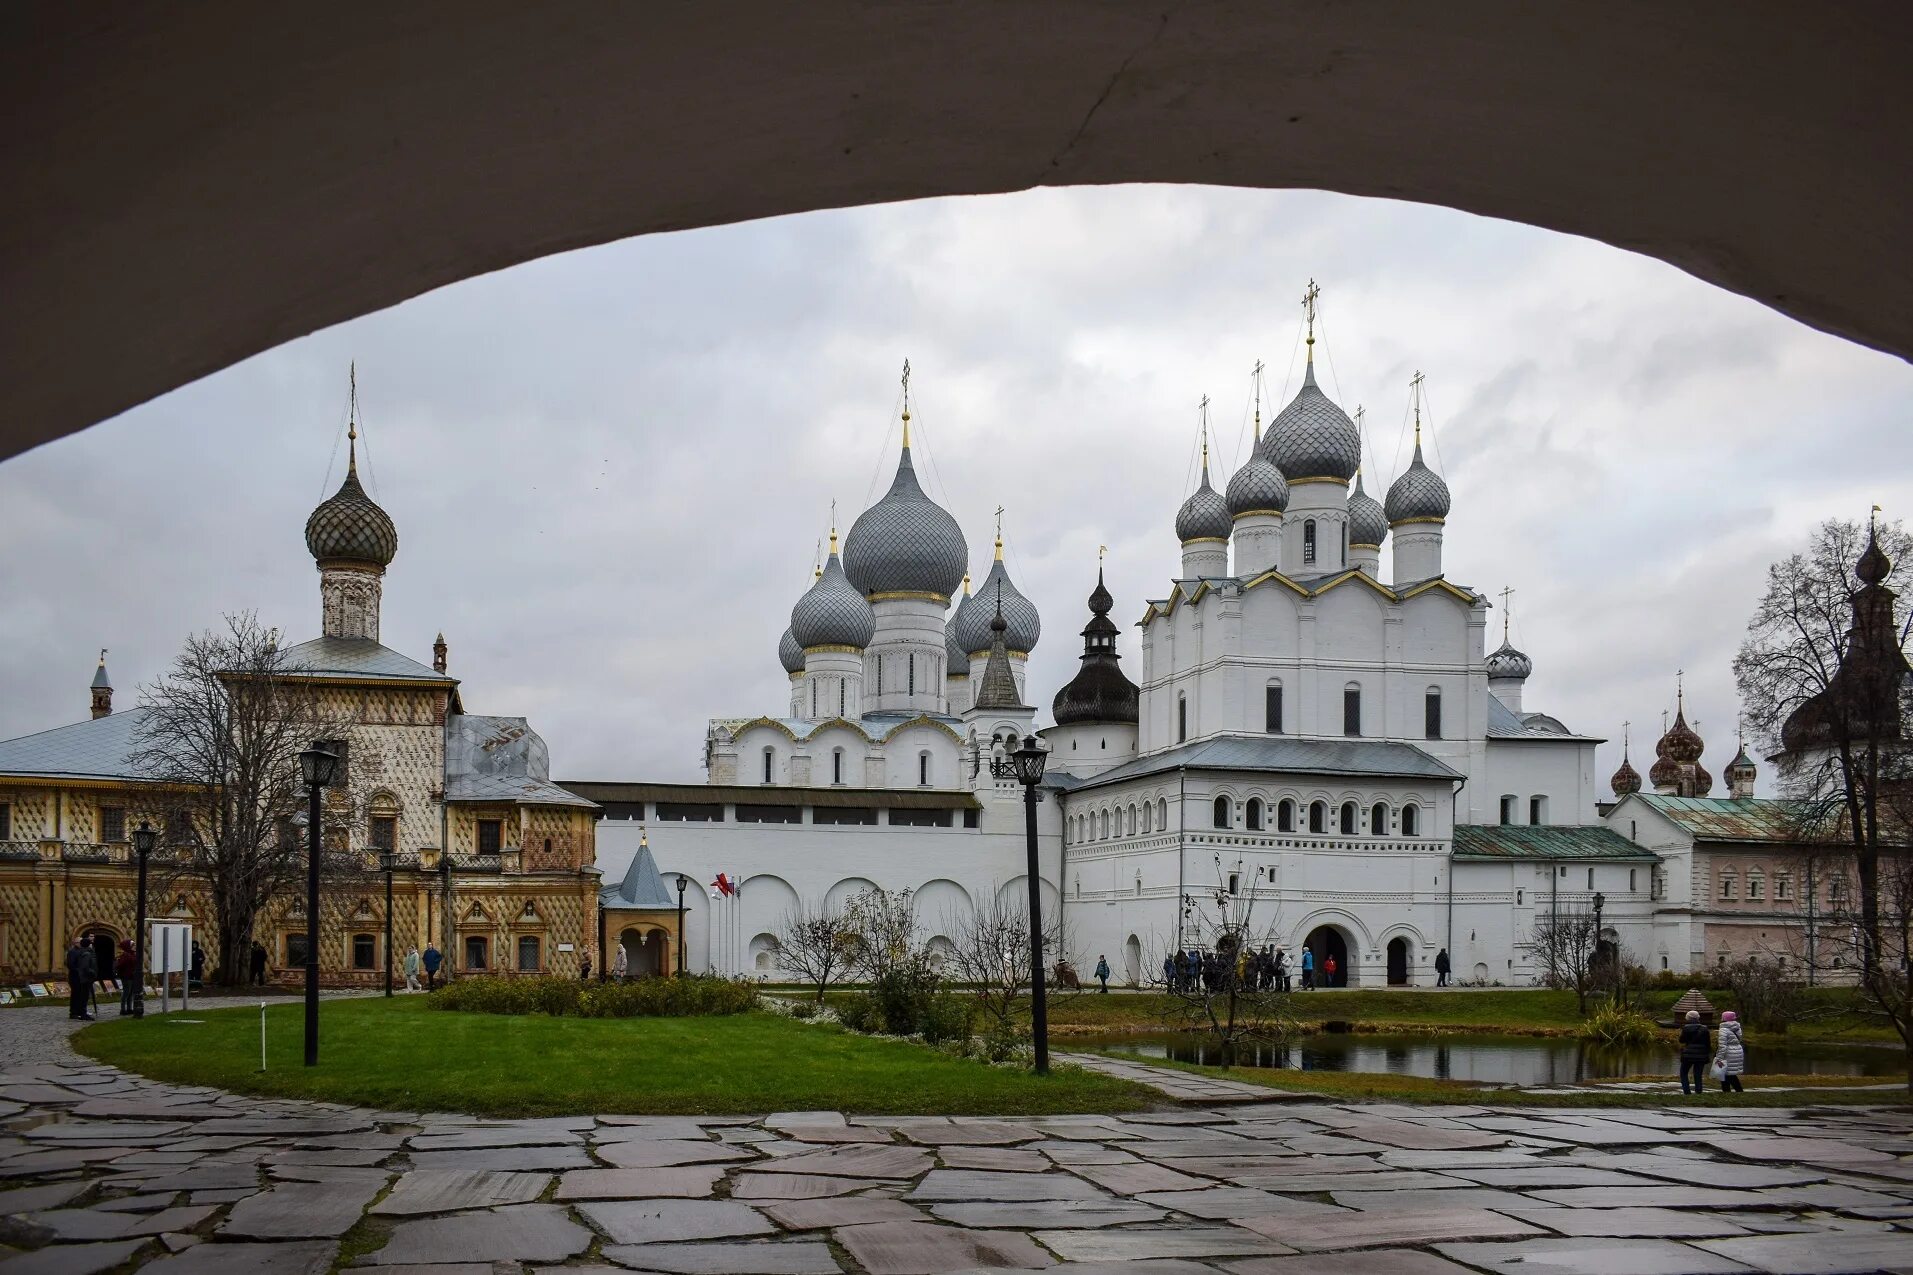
x,y
126,966
1328,968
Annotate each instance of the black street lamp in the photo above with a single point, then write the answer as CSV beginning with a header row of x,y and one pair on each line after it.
x,y
387,861
317,766
445,910
682,882
144,838
1025,765
1601,973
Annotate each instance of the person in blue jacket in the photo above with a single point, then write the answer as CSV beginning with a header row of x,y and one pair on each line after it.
x,y
433,958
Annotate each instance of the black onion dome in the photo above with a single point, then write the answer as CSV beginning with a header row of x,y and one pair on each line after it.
x,y
1626,780
350,527
1258,487
1367,524
906,542
1505,661
1205,515
832,612
1419,494
1680,743
971,624
1312,437
1863,700
790,652
1099,692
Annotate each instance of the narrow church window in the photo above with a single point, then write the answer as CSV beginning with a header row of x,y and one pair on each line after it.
x,y
1308,541
1507,810
1537,810
1378,820
475,951
1783,887
923,769
1132,820
1272,709
1318,816
1431,713
1232,882
1630,880
1411,821
1727,886
112,823
1348,819
1285,816
911,662
1520,897
489,836
842,696
1223,813
528,954
769,756
1756,887
1253,814
1590,878
1352,710
364,952
385,833
295,950
1162,813
1182,718
836,765
813,702
880,675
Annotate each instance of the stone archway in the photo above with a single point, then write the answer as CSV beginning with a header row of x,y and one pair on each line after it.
x,y
1327,942
1398,958
644,952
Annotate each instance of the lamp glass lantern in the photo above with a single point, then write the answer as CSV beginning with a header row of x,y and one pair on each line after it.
x,y
144,839
1028,762
318,766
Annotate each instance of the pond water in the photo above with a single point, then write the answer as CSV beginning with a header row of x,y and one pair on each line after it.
x,y
1519,1060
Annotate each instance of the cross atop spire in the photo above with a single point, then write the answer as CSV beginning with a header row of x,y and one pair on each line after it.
x,y
1310,295
1680,689
817,562
1255,379
1506,593
906,404
352,419
999,539
1414,390
1626,728
1203,408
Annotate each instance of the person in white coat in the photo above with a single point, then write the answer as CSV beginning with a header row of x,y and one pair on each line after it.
x,y
411,970
1731,1053
622,966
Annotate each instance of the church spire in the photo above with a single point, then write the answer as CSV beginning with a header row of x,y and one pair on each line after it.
x,y
906,405
999,684
1255,380
1310,296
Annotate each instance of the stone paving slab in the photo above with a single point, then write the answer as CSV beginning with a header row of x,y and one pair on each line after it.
x,y
1132,1243
1818,1254
920,1248
75,1259
689,1181
1029,1215
658,1221
1592,1257
522,1232
1320,1232
450,1190
1381,1261
815,1215
763,1257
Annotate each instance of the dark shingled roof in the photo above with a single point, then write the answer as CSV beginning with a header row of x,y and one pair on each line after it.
x,y
1545,841
1285,754
1728,818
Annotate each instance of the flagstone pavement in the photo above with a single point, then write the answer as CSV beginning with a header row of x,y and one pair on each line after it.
x,y
101,1171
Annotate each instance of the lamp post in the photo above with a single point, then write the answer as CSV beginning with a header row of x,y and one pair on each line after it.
x,y
1025,765
317,767
445,909
1600,901
683,881
387,861
144,839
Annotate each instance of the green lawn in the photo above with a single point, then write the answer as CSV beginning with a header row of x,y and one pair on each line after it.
x,y
399,1055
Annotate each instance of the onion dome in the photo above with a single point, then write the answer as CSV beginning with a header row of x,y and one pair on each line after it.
x,y
1099,692
350,527
1258,488
1419,495
1312,437
1680,744
790,652
1703,782
1626,780
971,624
954,652
832,612
1505,661
1862,701
1367,524
1205,515
906,542
1664,774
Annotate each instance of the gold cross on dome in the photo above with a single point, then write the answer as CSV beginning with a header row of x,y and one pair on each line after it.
x,y
1310,295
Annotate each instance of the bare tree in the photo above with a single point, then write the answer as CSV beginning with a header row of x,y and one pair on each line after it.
x,y
815,943
1564,944
1231,997
221,738
884,924
991,955
1823,679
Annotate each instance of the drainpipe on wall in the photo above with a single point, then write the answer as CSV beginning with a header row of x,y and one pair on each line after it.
x,y
1182,843
1454,805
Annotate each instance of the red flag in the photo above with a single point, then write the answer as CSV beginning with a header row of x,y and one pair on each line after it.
x,y
723,885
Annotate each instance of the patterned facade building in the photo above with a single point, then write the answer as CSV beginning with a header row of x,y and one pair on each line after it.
x,y
496,865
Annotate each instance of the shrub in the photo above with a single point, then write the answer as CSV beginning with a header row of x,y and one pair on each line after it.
x,y
945,1017
695,996
859,1013
1763,993
1618,1027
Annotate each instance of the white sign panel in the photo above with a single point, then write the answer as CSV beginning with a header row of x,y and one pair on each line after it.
x,y
172,947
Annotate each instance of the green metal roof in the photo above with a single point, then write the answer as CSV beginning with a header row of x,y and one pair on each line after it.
x,y
1545,841
1728,818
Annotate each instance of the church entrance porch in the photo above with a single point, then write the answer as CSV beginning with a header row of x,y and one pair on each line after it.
x,y
1398,962
645,955
1327,942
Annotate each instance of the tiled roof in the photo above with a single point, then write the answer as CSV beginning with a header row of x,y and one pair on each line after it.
x,y
1286,754
1544,841
1727,818
98,749
358,657
500,759
1504,723
641,886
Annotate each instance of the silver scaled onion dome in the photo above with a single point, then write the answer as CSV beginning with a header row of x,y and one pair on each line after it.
x,y
971,624
906,542
1367,524
350,526
1505,661
1205,515
832,612
790,652
1312,437
1258,487
1419,495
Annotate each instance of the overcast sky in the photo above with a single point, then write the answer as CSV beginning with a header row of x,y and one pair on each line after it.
x,y
609,469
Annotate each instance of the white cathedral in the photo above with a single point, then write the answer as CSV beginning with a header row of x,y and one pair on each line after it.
x,y
1312,718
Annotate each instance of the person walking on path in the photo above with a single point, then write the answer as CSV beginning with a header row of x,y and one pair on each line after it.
x,y
258,963
411,970
1733,1053
584,967
433,958
1328,968
1169,973
1696,1049
196,974
1441,968
622,966
1308,969
126,965
1102,973
1281,970
80,970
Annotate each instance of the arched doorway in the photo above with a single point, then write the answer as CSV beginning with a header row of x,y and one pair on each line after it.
x,y
1398,962
1132,959
1326,942
105,950
643,953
